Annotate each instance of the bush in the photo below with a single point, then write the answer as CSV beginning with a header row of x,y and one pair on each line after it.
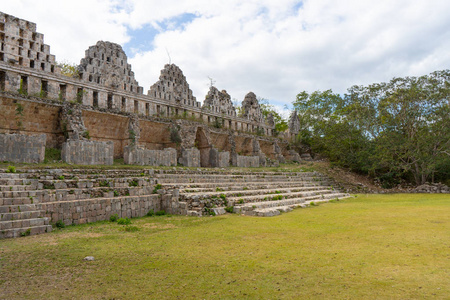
x,y
116,193
151,213
133,183
60,224
26,232
124,221
160,213
229,209
103,183
11,169
114,218
157,187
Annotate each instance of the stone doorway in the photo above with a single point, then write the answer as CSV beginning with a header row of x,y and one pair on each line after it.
x,y
202,144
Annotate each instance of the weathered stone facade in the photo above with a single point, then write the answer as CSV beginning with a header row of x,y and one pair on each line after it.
x,y
173,87
134,155
105,103
22,46
22,148
251,108
106,64
219,102
85,152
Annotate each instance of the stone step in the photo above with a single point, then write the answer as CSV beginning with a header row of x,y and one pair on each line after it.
x,y
276,197
268,192
11,216
182,180
25,223
15,188
17,201
25,231
207,187
17,208
98,209
4,175
72,193
270,208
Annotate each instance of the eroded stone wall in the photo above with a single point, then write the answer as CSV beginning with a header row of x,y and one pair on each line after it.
x,y
82,152
134,155
106,63
219,102
173,87
22,148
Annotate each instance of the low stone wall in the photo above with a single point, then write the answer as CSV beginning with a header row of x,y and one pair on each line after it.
x,y
139,156
82,152
219,159
22,148
99,209
190,157
246,161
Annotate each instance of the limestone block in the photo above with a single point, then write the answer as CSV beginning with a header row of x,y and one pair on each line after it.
x,y
190,157
22,148
82,152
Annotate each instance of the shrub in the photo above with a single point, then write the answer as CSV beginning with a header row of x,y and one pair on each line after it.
x,y
61,177
11,169
26,232
124,221
160,213
229,209
157,187
133,183
60,224
116,193
241,201
151,213
218,189
114,218
103,183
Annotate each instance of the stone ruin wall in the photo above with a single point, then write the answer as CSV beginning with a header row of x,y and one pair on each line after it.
x,y
107,95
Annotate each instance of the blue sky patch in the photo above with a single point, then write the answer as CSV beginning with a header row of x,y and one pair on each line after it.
x,y
142,38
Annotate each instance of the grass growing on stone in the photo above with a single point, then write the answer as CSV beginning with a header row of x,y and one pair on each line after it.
x,y
369,247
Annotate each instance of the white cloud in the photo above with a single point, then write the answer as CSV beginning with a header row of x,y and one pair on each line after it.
x,y
263,46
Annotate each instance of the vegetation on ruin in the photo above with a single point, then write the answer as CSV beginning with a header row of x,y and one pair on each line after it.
x,y
281,124
68,69
397,131
372,246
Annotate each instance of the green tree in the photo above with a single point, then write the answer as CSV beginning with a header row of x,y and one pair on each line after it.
x,y
395,130
68,69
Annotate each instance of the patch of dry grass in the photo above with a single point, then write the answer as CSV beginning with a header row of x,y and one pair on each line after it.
x,y
370,247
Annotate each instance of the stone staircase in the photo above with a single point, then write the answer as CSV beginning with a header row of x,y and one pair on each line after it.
x,y
31,200
20,216
253,193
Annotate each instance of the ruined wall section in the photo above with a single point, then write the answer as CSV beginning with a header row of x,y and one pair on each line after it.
x,y
106,63
22,46
173,87
251,108
219,102
22,148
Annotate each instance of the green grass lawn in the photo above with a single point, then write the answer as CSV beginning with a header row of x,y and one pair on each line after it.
x,y
369,247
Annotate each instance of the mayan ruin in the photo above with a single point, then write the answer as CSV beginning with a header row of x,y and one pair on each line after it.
x,y
224,149
100,113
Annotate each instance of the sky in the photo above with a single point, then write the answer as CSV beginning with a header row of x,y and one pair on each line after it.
x,y
274,48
